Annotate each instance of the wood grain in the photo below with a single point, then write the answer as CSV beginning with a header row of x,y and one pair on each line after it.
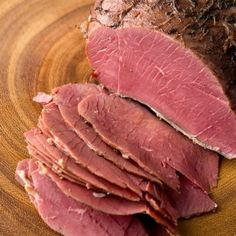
x,y
41,47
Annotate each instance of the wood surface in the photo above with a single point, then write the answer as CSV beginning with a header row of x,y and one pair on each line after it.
x,y
41,47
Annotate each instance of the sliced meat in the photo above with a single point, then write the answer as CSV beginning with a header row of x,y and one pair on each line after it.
x,y
108,204
69,217
155,70
132,129
90,109
66,138
42,150
192,200
100,188
67,98
156,194
144,185
44,160
58,161
166,210
60,167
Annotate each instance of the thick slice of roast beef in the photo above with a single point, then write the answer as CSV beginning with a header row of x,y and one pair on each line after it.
x,y
67,98
207,28
160,72
66,138
67,216
131,128
50,155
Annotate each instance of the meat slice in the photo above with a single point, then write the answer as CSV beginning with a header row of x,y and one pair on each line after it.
x,y
206,28
160,72
152,143
191,201
55,159
41,148
44,160
67,216
90,109
155,195
67,98
108,204
70,142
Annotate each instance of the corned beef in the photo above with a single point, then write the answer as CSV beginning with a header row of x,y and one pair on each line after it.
x,y
66,138
67,98
158,71
157,147
67,216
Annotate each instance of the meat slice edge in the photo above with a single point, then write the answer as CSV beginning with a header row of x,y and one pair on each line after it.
x,y
160,73
149,140
69,217
77,149
109,204
64,163
67,98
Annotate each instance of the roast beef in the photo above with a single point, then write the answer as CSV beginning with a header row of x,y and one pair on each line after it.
x,y
108,204
171,79
191,201
67,216
44,151
132,129
44,160
163,210
66,138
50,155
158,193
205,27
161,201
67,98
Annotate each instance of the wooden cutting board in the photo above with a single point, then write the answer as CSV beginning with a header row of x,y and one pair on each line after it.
x,y
41,47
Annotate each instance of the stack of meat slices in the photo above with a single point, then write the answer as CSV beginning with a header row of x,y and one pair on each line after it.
x,y
98,158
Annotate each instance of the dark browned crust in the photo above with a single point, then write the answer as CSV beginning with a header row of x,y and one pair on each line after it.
x,y
208,27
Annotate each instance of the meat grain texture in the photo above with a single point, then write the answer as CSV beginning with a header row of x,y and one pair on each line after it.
x,y
205,27
187,77
66,215
80,123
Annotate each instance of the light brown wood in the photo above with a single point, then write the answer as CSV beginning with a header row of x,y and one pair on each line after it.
x,y
41,47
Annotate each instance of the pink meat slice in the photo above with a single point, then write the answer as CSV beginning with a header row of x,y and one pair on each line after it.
x,y
66,138
59,161
158,71
126,194
67,98
156,194
169,212
42,149
37,156
192,200
149,141
67,216
109,204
